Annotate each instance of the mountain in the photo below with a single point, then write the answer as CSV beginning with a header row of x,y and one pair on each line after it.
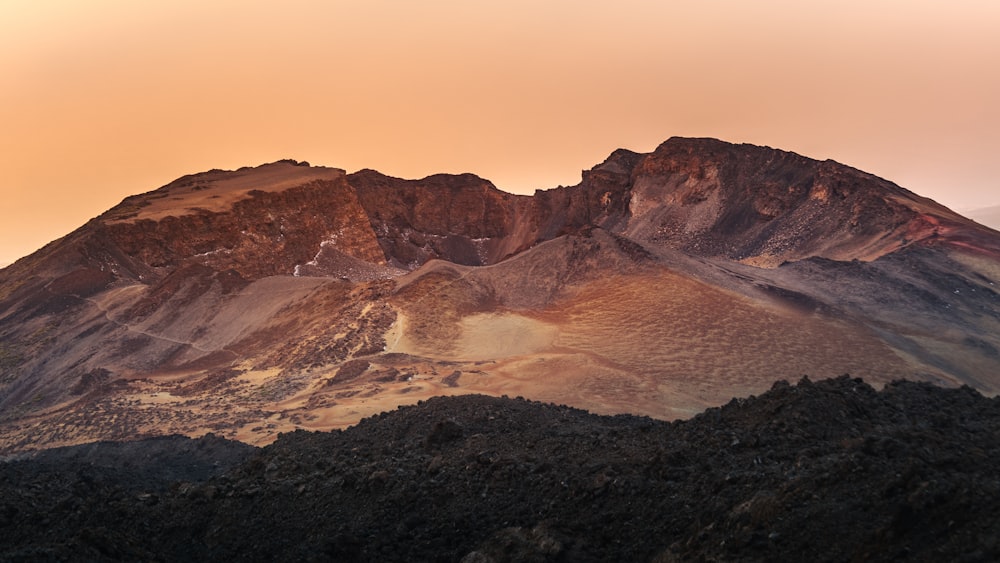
x,y
261,300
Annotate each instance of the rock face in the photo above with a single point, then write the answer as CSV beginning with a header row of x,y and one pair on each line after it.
x,y
290,296
831,470
767,207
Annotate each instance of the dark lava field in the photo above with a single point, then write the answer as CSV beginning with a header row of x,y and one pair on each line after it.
x,y
816,471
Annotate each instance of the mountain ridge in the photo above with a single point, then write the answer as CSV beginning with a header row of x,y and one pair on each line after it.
x,y
615,172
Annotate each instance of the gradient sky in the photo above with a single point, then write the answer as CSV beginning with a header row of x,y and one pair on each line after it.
x,y
106,98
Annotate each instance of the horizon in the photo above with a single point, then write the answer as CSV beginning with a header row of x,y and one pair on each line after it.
x,y
112,99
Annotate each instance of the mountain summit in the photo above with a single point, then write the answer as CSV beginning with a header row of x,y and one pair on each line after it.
x,y
259,300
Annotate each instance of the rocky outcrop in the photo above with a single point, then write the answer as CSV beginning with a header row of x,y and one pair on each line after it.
x,y
463,219
831,470
267,233
766,207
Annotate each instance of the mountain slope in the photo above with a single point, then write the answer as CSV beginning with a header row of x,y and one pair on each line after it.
x,y
285,296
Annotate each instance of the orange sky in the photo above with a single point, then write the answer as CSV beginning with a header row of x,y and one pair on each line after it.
x,y
106,98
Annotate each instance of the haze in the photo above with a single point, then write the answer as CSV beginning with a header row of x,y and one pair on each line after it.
x,y
104,99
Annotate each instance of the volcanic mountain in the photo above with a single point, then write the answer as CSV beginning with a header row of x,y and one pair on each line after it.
x,y
255,301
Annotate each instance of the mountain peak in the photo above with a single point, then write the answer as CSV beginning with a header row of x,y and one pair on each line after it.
x,y
765,206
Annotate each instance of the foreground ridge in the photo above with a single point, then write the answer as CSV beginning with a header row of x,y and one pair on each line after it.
x,y
831,470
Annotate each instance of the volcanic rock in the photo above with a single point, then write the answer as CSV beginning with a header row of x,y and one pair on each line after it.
x,y
831,470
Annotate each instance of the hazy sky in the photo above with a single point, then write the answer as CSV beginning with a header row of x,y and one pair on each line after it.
x,y
100,99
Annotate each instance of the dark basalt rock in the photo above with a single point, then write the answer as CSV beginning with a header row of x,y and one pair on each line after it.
x,y
829,471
